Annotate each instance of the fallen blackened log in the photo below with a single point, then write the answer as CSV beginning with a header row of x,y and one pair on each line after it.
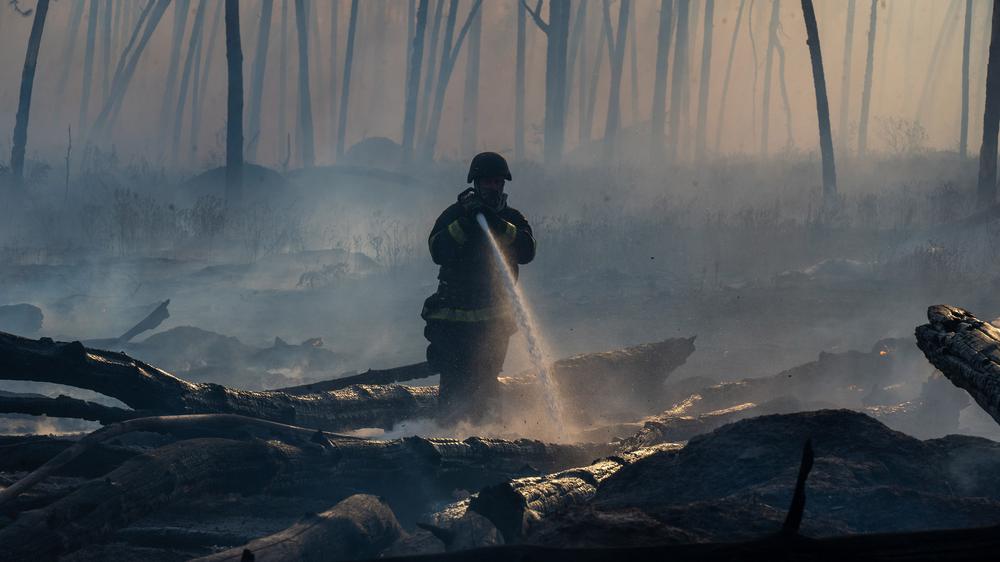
x,y
150,322
155,392
25,453
63,407
359,527
967,350
371,376
514,505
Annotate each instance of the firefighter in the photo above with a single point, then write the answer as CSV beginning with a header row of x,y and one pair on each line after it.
x,y
470,318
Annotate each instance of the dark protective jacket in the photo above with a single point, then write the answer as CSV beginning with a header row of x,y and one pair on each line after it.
x,y
470,288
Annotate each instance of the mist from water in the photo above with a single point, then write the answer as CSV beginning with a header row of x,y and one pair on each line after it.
x,y
537,351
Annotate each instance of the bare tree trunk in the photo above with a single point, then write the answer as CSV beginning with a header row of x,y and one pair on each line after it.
x,y
845,80
519,82
659,111
789,135
423,114
88,65
822,104
679,79
180,23
940,45
283,74
190,62
148,21
199,88
20,139
106,50
705,79
334,28
725,80
257,77
617,43
633,66
866,96
75,17
413,81
595,75
449,53
234,104
345,92
576,36
470,103
987,189
306,139
963,135
117,32
557,34
772,39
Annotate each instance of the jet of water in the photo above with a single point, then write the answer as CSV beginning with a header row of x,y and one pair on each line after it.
x,y
525,320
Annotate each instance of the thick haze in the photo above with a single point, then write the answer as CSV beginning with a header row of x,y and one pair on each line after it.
x,y
908,31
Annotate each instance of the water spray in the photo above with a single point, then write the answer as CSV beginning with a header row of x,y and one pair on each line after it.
x,y
525,321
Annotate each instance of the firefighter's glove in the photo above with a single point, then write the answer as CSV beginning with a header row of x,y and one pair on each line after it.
x,y
503,231
470,227
471,203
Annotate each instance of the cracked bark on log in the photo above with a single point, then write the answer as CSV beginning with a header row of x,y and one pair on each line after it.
x,y
966,350
360,526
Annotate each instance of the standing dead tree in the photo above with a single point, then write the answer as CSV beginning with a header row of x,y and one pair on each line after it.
x,y
194,48
940,45
986,190
334,28
423,113
616,51
413,81
449,53
728,74
234,104
679,79
345,91
75,17
470,103
556,31
106,46
772,41
866,96
704,80
306,137
845,79
177,37
519,82
88,63
659,110
20,139
201,79
963,135
257,77
822,103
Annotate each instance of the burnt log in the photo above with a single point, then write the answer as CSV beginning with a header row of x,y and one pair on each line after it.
x,y
966,350
629,379
359,527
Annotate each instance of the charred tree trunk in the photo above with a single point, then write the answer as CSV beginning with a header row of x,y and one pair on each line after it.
x,y
201,84
576,36
679,80
88,65
334,40
845,79
519,82
595,75
866,96
413,81
940,45
20,139
432,58
148,21
772,40
659,110
557,36
190,65
283,74
822,105
449,53
257,77
986,191
725,80
789,135
308,150
75,18
345,92
359,527
470,103
963,135
106,49
234,104
617,44
705,80
177,37
581,81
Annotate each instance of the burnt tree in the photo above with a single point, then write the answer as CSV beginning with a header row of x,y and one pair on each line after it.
x,y
194,48
616,46
556,31
822,103
470,103
257,77
20,139
519,82
679,79
659,110
845,79
728,74
987,187
705,79
306,146
88,63
413,81
866,96
772,41
345,90
963,135
234,104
